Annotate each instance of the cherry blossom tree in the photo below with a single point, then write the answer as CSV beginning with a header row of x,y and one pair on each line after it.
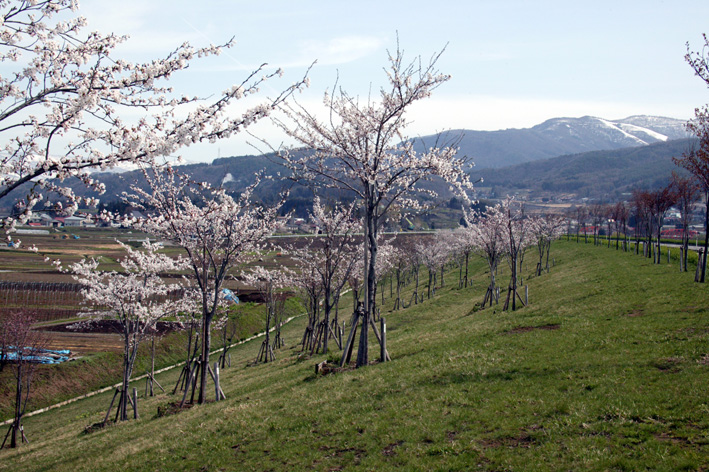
x,y
434,255
332,255
486,232
361,147
216,231
385,264
64,106
307,280
269,283
136,298
545,229
24,343
465,245
516,237
400,265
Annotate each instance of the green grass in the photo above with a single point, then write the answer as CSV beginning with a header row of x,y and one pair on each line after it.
x,y
605,370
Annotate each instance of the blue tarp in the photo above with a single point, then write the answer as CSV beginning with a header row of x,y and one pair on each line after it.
x,y
43,356
229,295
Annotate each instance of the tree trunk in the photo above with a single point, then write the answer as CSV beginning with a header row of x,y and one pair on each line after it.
x,y
706,241
466,269
328,309
18,405
204,358
370,239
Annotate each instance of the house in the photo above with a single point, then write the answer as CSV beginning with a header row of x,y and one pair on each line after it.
x,y
74,221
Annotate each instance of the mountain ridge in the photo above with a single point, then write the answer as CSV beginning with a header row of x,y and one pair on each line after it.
x,y
557,137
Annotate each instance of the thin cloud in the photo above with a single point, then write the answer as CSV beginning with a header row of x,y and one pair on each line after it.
x,y
336,51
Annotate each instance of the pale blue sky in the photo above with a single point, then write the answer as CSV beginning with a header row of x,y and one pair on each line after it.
x,y
513,63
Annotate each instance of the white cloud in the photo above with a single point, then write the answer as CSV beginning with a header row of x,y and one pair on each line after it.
x,y
336,50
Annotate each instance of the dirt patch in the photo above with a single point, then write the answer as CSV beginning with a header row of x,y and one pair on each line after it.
x,y
636,313
523,440
668,364
390,449
98,426
668,437
526,329
172,408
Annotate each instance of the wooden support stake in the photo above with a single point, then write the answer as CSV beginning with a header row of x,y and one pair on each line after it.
x,y
154,380
526,295
383,352
187,387
681,258
135,403
335,337
110,406
347,353
6,435
217,389
379,338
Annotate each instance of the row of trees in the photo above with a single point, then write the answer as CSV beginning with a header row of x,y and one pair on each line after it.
x,y
645,212
505,231
62,114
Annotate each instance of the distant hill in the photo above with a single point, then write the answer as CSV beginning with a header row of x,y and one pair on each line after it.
x,y
559,136
644,146
598,174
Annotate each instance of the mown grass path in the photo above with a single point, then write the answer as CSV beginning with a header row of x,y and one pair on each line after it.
x,y
605,370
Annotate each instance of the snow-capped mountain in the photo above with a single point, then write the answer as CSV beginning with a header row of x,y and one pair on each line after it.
x,y
560,136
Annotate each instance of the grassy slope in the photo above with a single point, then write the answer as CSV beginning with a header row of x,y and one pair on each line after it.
x,y
620,385
54,384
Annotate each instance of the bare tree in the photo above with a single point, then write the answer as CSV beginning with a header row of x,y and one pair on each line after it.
x,y
659,201
25,344
610,221
620,219
696,159
581,218
687,192
597,212
643,220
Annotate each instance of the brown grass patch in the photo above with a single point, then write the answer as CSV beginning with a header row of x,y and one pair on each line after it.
x,y
390,449
526,329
